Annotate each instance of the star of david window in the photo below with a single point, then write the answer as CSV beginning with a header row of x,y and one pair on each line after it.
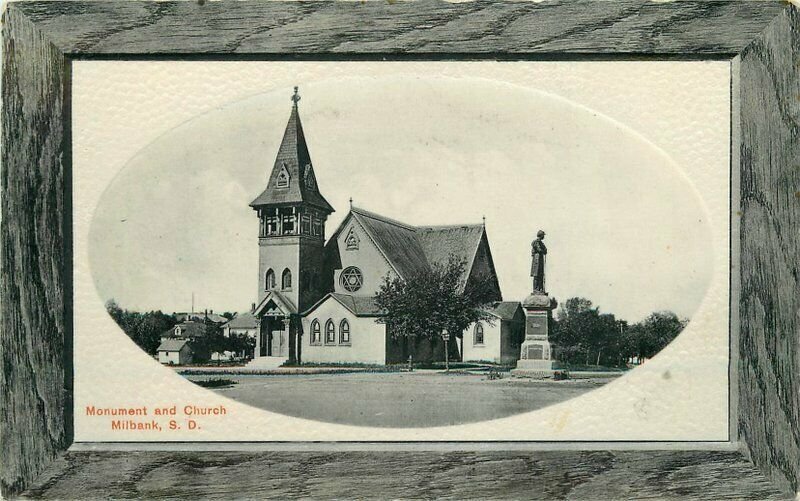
x,y
351,279
351,240
283,178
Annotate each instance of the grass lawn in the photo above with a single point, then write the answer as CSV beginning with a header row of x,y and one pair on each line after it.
x,y
416,399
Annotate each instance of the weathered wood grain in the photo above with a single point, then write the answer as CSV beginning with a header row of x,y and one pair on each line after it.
x,y
769,347
34,391
432,27
406,475
35,345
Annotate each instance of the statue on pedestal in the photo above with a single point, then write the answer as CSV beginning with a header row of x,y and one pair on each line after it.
x,y
538,253
535,355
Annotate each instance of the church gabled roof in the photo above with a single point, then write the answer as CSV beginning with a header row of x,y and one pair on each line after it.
x,y
397,241
360,306
440,242
414,249
292,180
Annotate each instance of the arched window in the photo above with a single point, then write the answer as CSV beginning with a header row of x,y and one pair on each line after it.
x,y
316,336
344,332
330,332
269,281
478,334
286,279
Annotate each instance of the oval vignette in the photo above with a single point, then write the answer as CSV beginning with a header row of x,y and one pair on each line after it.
x,y
174,230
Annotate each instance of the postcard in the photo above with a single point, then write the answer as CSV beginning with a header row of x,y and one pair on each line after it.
x,y
401,251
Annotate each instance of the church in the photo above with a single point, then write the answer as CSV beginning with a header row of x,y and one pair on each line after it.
x,y
316,297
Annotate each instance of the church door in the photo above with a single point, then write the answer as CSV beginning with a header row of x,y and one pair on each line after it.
x,y
266,340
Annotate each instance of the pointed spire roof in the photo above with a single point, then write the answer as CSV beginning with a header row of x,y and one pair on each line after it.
x,y
292,180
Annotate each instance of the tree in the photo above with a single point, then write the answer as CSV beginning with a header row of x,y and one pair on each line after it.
x,y
144,329
574,330
583,335
423,305
655,332
212,340
241,343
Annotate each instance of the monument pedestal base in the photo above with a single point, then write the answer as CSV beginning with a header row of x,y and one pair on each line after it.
x,y
535,369
535,360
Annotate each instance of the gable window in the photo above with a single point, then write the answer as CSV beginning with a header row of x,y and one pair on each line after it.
x,y
351,279
316,336
283,178
478,334
269,280
351,240
286,279
344,332
330,332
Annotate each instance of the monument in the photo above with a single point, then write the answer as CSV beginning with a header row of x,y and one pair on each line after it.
x,y
535,359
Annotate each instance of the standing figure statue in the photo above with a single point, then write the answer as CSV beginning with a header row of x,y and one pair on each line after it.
x,y
538,252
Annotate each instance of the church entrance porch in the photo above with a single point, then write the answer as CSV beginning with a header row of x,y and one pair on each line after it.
x,y
273,338
278,328
272,342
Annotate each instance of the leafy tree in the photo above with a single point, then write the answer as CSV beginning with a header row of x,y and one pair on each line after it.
x,y
421,306
583,335
144,329
577,323
655,332
212,340
241,343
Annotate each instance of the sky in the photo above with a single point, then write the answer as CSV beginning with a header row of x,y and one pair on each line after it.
x,y
625,226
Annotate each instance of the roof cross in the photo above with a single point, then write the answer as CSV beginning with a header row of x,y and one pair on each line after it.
x,y
295,97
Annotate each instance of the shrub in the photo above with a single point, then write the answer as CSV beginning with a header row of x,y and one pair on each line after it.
x,y
215,382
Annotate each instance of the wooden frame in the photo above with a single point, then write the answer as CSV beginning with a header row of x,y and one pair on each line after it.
x,y
40,39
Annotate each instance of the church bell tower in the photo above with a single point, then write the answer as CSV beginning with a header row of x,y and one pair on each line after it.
x,y
292,214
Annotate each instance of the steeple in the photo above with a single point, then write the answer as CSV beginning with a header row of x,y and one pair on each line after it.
x,y
292,179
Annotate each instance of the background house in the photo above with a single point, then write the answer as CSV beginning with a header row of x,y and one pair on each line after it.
x,y
173,351
190,333
243,323
200,317
499,341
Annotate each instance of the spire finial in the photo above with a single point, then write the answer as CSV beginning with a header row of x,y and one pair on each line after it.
x,y
295,97
351,202
484,220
